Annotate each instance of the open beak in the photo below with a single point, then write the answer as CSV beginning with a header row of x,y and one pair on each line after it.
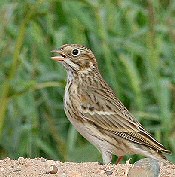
x,y
60,57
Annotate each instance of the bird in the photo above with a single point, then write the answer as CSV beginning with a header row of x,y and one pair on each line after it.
x,y
97,114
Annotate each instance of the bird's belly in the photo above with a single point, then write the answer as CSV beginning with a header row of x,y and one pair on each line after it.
x,y
94,136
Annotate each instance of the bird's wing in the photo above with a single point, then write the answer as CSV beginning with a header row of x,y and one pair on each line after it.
x,y
102,107
104,110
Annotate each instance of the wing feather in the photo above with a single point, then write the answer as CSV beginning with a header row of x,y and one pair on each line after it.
x,y
110,115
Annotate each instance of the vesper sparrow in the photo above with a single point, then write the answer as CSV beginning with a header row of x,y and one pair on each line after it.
x,y
96,112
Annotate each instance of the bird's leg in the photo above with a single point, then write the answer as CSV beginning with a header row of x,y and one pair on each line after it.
x,y
107,157
120,158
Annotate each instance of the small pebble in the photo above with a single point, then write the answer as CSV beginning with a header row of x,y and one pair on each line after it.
x,y
21,160
108,173
52,169
147,167
43,159
7,159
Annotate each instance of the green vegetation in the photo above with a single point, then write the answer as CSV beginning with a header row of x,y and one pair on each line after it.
x,y
134,42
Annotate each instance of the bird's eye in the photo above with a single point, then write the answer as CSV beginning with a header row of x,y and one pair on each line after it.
x,y
75,52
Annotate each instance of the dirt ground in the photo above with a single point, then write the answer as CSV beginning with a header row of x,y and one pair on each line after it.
x,y
43,167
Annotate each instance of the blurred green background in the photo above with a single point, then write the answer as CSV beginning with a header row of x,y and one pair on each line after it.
x,y
134,42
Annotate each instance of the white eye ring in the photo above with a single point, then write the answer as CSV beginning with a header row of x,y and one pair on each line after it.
x,y
75,52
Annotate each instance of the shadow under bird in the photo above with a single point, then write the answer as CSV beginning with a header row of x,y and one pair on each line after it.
x,y
97,114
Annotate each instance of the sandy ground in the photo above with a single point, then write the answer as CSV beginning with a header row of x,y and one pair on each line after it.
x,y
43,167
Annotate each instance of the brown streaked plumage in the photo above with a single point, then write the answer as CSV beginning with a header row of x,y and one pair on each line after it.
x,y
96,112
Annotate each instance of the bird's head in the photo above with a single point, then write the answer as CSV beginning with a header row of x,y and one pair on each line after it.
x,y
75,58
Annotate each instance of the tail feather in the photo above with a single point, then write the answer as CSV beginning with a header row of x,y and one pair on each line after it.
x,y
144,139
152,153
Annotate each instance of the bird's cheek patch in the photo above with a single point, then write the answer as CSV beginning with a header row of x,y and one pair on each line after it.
x,y
71,63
